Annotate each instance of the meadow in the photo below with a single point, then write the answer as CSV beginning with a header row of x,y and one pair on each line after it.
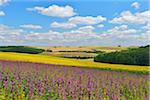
x,y
35,81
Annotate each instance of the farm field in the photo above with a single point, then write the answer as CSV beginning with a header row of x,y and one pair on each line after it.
x,y
74,50
34,81
70,54
70,62
84,48
79,52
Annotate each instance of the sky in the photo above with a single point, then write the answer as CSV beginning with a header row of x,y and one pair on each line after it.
x,y
75,22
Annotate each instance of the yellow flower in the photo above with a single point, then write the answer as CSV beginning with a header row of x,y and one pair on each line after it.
x,y
64,61
3,97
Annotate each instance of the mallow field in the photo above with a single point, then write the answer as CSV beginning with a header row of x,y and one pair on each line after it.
x,y
74,50
27,74
35,81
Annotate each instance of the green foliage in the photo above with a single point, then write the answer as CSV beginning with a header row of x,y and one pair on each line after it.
x,y
20,49
86,51
78,57
95,51
49,50
134,56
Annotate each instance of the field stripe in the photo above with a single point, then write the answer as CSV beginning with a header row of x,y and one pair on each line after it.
x,y
71,62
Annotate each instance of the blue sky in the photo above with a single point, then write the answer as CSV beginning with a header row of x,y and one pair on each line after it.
x,y
74,22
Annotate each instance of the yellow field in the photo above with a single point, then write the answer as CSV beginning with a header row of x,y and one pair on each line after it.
x,y
83,48
65,61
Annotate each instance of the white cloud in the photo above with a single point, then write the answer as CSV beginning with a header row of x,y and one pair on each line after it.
x,y
119,35
55,11
85,35
31,26
8,30
127,17
123,35
119,30
1,37
145,36
87,29
62,25
100,25
10,35
147,26
48,36
73,21
136,5
80,34
2,2
2,13
88,20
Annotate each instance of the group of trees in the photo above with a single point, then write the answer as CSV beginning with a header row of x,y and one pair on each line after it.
x,y
85,51
134,56
21,49
78,57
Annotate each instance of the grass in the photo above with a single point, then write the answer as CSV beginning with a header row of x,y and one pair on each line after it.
x,y
69,62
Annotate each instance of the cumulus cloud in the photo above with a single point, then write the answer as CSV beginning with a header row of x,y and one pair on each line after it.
x,y
4,29
31,26
1,37
48,36
87,29
118,31
10,35
100,25
147,26
145,36
2,13
127,17
88,20
85,35
136,5
80,34
2,2
54,11
62,25
123,35
74,21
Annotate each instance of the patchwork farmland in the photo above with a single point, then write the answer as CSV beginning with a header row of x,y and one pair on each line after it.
x,y
26,76
74,50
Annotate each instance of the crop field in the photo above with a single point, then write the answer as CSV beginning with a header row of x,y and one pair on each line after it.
x,y
35,81
74,50
79,52
83,48
69,54
70,62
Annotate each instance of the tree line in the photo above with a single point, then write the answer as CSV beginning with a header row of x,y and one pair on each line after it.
x,y
132,56
21,49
